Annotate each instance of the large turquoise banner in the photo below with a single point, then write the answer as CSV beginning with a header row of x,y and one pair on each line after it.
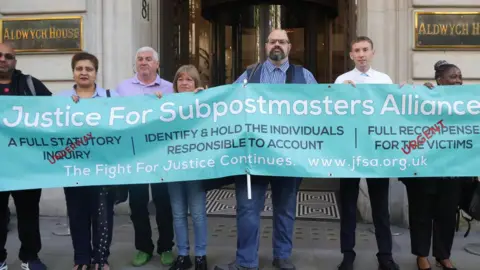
x,y
282,130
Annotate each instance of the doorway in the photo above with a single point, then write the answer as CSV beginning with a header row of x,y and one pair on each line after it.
x,y
223,37
240,30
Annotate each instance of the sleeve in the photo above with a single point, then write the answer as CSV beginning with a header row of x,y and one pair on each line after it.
x,y
309,77
389,80
114,93
241,78
339,80
40,88
119,90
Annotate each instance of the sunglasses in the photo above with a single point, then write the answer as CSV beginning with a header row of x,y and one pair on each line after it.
x,y
8,56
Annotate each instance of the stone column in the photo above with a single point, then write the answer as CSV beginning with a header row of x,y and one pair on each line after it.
x,y
386,23
118,41
94,33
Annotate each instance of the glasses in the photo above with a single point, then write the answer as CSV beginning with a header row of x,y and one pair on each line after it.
x,y
280,41
8,56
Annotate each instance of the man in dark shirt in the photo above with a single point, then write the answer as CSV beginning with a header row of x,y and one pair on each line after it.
x,y
14,83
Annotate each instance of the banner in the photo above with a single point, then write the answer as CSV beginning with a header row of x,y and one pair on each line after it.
x,y
312,131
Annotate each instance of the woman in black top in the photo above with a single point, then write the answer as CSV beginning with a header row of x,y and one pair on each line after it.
x,y
433,201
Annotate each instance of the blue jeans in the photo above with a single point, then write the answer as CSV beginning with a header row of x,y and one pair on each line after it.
x,y
184,196
284,200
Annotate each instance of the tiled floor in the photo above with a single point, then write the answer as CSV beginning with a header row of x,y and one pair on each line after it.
x,y
311,205
316,246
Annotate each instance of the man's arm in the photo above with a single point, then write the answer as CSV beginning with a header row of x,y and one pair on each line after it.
x,y
309,77
339,80
40,88
389,80
241,78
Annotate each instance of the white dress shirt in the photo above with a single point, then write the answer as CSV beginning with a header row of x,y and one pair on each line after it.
x,y
370,77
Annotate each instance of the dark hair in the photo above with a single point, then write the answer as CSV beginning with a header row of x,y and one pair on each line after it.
x,y
441,67
360,39
84,56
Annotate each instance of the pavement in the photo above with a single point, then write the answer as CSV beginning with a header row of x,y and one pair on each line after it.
x,y
316,246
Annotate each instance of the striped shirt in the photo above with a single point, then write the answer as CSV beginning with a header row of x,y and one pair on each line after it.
x,y
277,75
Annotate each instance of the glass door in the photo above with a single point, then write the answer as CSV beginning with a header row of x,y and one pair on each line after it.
x,y
224,41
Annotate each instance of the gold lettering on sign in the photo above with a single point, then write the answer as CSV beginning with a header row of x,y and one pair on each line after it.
x,y
443,29
46,33
448,29
6,36
461,29
64,33
43,34
475,29
421,29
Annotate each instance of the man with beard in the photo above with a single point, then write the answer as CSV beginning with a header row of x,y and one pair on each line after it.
x,y
14,83
362,53
276,70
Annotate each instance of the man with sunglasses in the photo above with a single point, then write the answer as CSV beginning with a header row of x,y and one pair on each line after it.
x,y
276,70
14,83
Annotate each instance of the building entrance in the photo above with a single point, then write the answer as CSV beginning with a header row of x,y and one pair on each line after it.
x,y
223,37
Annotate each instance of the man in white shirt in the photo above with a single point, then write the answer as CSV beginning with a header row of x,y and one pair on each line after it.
x,y
362,54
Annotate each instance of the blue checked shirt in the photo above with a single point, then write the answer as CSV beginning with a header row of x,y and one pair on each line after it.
x,y
273,75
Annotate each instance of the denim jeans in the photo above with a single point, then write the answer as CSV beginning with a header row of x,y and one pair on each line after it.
x,y
184,196
284,200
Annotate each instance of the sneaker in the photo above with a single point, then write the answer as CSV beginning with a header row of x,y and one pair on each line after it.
x,y
141,258
283,264
33,265
3,266
166,258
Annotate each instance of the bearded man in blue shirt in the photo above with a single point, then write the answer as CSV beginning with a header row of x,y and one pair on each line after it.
x,y
276,70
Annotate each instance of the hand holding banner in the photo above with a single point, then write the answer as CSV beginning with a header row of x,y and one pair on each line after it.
x,y
285,130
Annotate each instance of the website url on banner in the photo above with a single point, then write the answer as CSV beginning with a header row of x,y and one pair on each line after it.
x,y
359,161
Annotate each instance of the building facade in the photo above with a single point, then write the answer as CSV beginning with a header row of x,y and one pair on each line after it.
x,y
222,37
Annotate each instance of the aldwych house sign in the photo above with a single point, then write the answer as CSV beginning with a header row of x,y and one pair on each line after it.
x,y
58,34
447,30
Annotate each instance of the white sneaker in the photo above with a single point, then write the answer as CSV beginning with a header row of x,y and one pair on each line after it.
x,y
3,266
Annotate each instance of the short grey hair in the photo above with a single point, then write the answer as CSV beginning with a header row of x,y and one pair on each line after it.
x,y
147,49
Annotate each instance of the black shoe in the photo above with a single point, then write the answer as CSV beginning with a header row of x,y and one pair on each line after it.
x,y
182,263
388,265
201,263
418,266
440,264
346,265
283,264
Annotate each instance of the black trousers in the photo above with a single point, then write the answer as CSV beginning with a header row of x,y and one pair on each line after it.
x,y
432,206
378,192
139,198
83,205
27,205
